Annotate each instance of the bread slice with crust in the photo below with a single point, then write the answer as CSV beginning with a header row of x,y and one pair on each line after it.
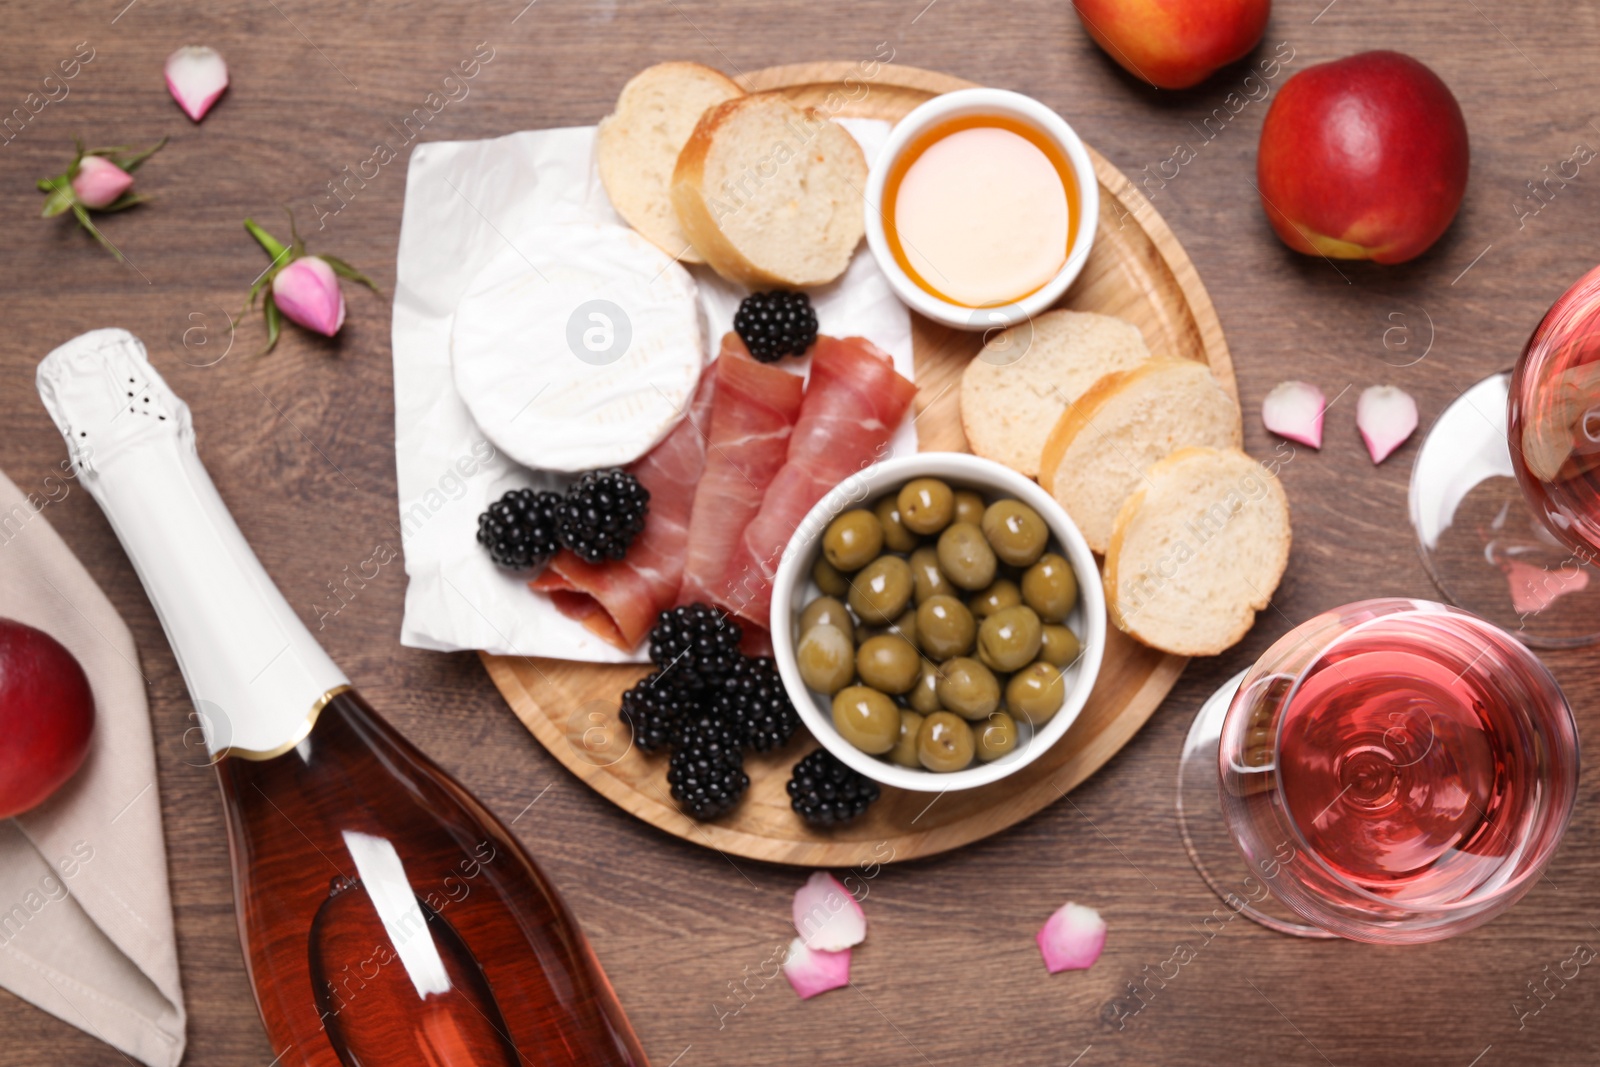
x,y
638,145
771,193
1100,448
1197,550
1015,390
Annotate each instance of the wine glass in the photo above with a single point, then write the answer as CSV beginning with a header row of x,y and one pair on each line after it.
x,y
1505,492
1392,771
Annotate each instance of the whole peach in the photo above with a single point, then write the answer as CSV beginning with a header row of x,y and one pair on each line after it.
x,y
1363,158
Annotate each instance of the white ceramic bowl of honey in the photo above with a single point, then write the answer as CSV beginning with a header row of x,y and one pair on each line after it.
x,y
982,208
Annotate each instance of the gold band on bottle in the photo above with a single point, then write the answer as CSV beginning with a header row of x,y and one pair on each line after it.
x,y
299,735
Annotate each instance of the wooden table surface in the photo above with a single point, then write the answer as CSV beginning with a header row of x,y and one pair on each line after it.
x,y
300,445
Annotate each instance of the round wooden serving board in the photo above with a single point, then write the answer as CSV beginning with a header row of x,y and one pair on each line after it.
x,y
1138,272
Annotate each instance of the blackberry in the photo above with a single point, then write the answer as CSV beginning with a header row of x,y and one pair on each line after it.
x,y
696,644
753,701
657,711
602,513
776,324
824,792
519,529
706,771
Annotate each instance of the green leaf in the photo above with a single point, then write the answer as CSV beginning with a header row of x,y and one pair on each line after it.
x,y
82,215
269,243
299,244
345,270
125,201
274,325
59,201
45,185
131,164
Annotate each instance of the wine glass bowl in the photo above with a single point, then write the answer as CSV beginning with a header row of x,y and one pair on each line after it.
x,y
1553,415
1397,771
1505,492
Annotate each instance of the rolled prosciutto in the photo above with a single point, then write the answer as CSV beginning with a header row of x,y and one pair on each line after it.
x,y
619,600
752,417
853,404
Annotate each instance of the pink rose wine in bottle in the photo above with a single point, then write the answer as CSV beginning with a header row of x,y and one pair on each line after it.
x,y
386,916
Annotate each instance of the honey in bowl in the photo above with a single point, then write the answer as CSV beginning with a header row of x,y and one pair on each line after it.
x,y
981,210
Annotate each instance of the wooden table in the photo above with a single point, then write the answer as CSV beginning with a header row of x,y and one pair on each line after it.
x,y
300,446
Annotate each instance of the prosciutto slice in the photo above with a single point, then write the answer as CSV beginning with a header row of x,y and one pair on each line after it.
x,y
752,417
853,404
619,600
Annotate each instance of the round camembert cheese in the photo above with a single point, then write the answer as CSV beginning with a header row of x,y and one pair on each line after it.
x,y
579,347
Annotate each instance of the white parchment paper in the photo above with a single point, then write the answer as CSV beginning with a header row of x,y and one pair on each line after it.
x,y
465,202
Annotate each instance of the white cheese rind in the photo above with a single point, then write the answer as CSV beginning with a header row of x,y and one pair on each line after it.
x,y
578,348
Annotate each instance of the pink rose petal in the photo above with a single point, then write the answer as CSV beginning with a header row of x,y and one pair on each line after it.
x,y
1386,416
826,916
1071,939
196,76
1533,588
1294,410
812,971
307,292
99,182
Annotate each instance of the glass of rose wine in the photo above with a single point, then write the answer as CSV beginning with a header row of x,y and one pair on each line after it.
x,y
1505,493
1392,771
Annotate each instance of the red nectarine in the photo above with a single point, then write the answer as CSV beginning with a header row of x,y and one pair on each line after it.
x,y
1363,158
46,716
1173,44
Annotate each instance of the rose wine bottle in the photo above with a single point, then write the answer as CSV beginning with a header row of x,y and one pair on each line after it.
x,y
387,918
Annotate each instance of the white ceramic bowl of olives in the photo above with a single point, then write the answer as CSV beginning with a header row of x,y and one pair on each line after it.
x,y
938,621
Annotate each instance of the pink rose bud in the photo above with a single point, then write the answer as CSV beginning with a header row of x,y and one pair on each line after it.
x,y
99,182
307,292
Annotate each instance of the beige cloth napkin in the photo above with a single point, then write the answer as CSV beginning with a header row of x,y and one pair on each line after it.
x,y
85,915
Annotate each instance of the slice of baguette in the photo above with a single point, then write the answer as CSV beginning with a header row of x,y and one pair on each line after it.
x,y
771,193
1197,550
639,142
1101,446
1015,390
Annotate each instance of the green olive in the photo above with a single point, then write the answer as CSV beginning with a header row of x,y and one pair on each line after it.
x,y
866,718
895,535
944,743
967,688
945,627
881,591
1009,639
828,578
926,576
853,540
965,557
904,752
1015,531
1050,587
826,659
969,507
888,663
1035,693
926,505
827,611
1000,594
924,696
1059,646
994,736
